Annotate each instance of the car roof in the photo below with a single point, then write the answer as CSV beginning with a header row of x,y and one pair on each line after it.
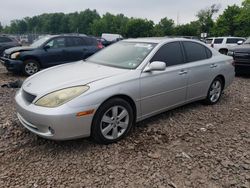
x,y
157,40
230,37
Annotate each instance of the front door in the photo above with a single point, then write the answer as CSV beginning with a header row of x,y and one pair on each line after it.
x,y
161,90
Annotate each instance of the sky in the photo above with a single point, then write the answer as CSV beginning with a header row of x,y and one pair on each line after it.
x,y
149,9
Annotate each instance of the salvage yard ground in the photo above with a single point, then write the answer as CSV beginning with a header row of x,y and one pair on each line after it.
x,y
192,146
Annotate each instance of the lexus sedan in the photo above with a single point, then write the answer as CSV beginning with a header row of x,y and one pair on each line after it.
x,y
134,79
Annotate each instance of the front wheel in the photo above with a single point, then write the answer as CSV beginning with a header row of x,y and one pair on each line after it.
x,y
30,67
112,121
214,92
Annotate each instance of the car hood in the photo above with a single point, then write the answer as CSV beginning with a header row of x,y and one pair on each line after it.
x,y
68,75
18,49
242,48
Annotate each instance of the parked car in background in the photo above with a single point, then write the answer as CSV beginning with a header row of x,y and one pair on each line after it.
x,y
241,55
209,40
104,42
111,37
49,51
127,82
7,42
222,44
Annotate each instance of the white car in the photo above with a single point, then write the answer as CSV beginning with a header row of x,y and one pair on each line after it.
x,y
111,37
223,44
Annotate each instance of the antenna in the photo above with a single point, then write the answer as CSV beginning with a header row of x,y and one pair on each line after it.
x,y
178,18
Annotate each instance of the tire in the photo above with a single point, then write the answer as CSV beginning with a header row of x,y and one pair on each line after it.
x,y
215,91
106,127
30,67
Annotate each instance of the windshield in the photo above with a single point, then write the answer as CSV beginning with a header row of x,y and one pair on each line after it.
x,y
128,55
247,41
39,42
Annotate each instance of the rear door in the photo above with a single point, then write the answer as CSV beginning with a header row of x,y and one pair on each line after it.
x,y
161,90
79,48
201,68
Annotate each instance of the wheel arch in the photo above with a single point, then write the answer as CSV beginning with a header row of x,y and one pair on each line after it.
x,y
223,49
25,58
127,99
223,80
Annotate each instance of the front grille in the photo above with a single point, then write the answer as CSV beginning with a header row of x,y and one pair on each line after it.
x,y
28,97
242,55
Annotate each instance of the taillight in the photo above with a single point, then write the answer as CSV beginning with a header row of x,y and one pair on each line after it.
x,y
99,45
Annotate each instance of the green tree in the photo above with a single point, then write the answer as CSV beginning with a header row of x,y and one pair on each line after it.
x,y
205,17
244,20
228,22
110,24
139,28
189,29
164,27
1,27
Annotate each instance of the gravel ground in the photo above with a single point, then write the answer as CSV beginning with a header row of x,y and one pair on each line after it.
x,y
192,146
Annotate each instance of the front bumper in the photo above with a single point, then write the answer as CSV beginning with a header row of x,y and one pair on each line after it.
x,y
59,123
12,65
242,67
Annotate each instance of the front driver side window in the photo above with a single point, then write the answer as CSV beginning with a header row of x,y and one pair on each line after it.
x,y
56,43
170,53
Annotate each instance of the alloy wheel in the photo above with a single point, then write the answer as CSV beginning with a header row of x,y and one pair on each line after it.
x,y
115,122
31,68
215,91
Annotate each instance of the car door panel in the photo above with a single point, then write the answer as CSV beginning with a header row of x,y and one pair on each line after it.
x,y
55,54
201,67
162,90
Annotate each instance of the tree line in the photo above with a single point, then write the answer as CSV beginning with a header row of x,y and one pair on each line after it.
x,y
234,21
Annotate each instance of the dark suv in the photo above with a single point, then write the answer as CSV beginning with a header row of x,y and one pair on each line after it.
x,y
7,42
49,51
241,55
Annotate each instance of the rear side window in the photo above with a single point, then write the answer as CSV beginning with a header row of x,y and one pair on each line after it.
x,y
234,40
209,53
5,39
218,41
195,51
88,41
170,53
57,43
74,41
209,41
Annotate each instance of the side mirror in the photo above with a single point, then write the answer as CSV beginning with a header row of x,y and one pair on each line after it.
x,y
46,47
155,66
240,42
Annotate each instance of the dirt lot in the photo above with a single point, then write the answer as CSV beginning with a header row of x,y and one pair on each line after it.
x,y
192,146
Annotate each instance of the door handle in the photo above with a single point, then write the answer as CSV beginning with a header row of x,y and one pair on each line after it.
x,y
213,66
182,72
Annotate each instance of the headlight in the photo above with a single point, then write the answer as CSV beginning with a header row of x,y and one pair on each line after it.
x,y
15,55
60,97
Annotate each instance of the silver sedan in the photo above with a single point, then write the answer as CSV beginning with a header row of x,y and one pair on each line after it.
x,y
105,95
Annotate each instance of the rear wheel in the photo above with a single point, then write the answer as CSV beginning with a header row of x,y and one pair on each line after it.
x,y
112,122
215,91
30,67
